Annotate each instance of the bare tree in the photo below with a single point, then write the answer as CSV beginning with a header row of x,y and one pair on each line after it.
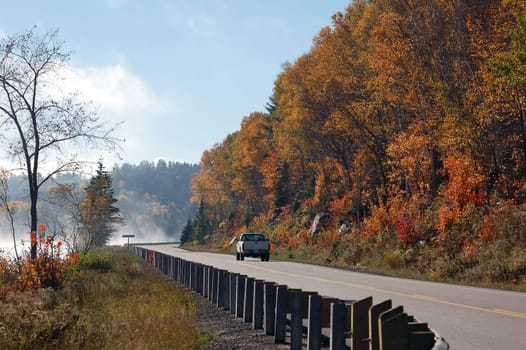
x,y
70,197
39,122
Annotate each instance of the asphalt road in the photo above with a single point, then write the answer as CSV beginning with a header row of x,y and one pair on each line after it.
x,y
467,317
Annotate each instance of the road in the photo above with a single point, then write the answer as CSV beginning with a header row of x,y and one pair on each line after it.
x,y
467,317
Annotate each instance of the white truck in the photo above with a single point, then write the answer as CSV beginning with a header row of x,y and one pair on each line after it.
x,y
253,244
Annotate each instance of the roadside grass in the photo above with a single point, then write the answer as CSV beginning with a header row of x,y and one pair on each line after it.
x,y
112,301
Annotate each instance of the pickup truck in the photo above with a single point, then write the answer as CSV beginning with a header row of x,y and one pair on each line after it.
x,y
253,244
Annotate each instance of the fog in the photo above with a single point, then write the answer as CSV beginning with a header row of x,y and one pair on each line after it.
x,y
151,235
6,238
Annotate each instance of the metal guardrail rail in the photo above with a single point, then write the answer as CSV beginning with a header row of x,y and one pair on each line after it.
x,y
301,318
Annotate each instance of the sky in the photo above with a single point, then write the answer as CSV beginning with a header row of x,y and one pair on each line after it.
x,y
180,74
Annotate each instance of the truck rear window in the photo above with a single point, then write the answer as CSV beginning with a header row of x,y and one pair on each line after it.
x,y
253,237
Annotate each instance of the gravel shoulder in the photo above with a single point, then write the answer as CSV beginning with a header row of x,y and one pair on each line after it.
x,y
230,332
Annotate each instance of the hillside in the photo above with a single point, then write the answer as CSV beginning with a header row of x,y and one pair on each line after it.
x,y
153,199
398,140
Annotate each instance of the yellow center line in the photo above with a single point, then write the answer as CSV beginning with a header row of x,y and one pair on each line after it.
x,y
407,295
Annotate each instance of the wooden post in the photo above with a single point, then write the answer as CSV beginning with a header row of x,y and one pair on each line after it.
x,y
257,311
269,314
338,326
314,323
240,295
374,314
281,314
248,304
233,289
392,328
360,323
296,319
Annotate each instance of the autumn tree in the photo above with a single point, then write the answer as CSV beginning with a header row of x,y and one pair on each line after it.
x,y
99,214
250,150
213,184
41,124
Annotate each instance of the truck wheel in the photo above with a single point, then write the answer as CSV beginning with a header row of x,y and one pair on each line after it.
x,y
241,256
237,256
267,257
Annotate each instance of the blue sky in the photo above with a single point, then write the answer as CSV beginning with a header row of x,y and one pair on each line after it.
x,y
180,74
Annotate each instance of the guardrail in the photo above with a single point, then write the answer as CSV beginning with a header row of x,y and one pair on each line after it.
x,y
301,317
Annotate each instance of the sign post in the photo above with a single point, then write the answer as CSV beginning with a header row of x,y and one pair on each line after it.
x,y
128,236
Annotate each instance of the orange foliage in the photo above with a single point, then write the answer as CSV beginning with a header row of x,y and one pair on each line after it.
x,y
484,231
377,223
49,269
464,188
466,184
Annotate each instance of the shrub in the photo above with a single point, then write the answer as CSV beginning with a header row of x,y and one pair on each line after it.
x,y
97,262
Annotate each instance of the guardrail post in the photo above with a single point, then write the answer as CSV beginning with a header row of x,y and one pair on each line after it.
x,y
240,294
314,323
171,267
360,323
205,281
392,328
248,305
196,277
257,311
220,289
180,271
374,314
296,319
281,314
226,289
269,301
420,336
215,277
192,275
210,283
233,289
338,326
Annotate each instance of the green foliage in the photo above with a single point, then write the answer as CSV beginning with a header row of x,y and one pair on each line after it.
x,y
97,262
187,232
99,213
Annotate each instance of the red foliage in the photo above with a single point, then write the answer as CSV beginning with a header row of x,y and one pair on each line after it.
x,y
49,269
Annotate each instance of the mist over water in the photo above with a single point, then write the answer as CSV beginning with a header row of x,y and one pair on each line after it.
x,y
150,235
6,240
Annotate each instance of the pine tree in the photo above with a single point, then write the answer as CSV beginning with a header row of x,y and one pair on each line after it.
x,y
186,234
99,215
201,225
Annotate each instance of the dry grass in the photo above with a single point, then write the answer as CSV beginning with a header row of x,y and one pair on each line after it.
x,y
126,307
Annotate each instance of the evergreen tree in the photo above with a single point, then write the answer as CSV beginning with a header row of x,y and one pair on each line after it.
x,y
201,224
99,215
186,234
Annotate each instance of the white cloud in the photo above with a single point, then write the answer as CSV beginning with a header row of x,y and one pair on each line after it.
x,y
122,96
114,89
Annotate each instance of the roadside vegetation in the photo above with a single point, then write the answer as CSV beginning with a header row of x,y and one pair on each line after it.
x,y
396,144
104,299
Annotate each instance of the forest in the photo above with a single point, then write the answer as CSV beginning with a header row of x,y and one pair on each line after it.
x,y
153,199
398,140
